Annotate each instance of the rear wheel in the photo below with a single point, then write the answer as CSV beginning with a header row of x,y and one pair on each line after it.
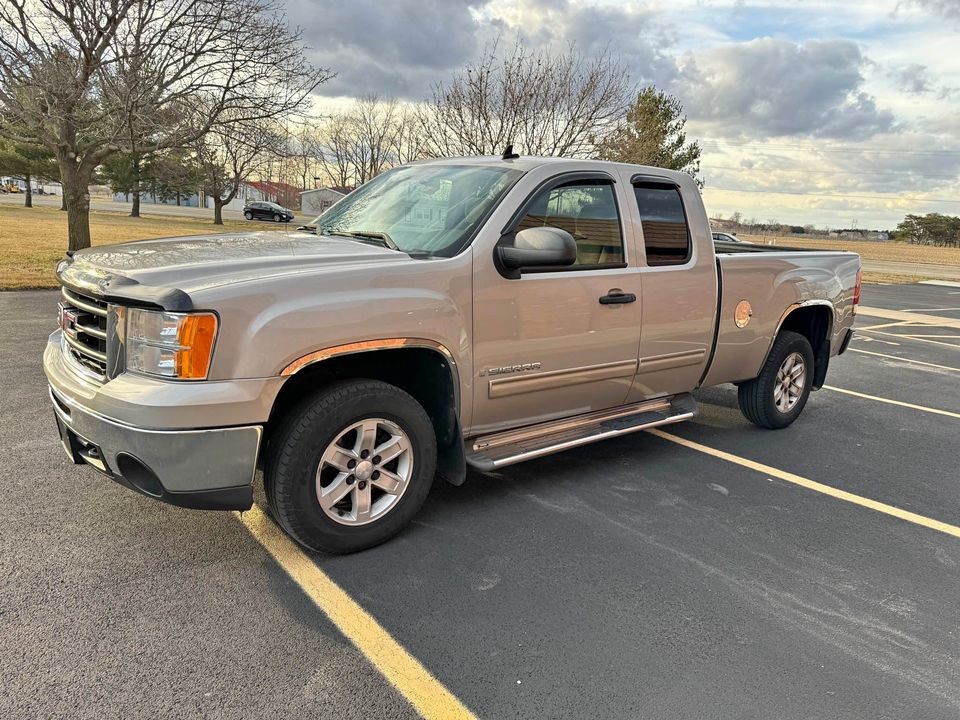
x,y
351,466
776,397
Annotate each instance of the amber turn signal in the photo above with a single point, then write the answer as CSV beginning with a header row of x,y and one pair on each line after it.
x,y
195,336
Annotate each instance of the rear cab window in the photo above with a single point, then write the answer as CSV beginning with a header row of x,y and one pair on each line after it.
x,y
666,234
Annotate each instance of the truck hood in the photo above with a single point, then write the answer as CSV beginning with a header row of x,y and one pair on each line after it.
x,y
188,264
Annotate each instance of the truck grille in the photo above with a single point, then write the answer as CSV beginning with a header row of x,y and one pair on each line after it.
x,y
83,319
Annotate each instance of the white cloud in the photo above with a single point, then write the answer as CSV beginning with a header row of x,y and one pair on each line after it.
x,y
772,87
823,98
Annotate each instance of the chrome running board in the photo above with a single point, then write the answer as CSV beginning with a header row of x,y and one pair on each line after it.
x,y
498,450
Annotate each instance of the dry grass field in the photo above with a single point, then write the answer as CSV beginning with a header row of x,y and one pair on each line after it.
x,y
901,252
33,239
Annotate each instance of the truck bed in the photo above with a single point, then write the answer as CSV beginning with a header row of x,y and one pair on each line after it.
x,y
776,280
735,248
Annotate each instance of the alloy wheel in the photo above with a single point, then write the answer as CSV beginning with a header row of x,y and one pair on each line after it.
x,y
791,377
364,472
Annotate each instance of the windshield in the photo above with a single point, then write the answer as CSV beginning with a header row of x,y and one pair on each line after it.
x,y
422,209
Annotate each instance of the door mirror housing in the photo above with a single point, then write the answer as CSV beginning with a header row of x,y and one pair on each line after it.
x,y
536,247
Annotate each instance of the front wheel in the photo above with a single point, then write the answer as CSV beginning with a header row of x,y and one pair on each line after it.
x,y
276,218
248,215
776,397
351,466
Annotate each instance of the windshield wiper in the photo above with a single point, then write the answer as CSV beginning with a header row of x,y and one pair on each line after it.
x,y
384,239
380,238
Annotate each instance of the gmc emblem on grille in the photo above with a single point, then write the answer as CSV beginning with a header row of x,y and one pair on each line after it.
x,y
68,320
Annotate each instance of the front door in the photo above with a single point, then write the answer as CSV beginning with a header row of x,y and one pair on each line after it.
x,y
559,341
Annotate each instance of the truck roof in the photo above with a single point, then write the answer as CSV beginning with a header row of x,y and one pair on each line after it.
x,y
530,162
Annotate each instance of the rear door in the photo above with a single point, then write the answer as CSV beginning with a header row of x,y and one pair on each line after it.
x,y
552,343
679,284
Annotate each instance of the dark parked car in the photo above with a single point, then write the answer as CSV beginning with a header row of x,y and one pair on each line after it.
x,y
267,211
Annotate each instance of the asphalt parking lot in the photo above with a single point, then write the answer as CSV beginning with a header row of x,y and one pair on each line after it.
x,y
637,578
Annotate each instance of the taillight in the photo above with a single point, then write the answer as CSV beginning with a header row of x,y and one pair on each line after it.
x,y
856,291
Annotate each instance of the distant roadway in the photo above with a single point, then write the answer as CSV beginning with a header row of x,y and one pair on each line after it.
x,y
105,203
897,267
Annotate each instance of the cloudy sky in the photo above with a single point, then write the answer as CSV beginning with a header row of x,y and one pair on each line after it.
x,y
809,111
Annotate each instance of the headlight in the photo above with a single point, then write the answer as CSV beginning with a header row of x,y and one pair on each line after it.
x,y
175,345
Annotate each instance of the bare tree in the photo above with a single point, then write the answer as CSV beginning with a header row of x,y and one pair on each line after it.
x,y
543,103
304,150
88,78
372,135
231,154
338,150
376,126
409,141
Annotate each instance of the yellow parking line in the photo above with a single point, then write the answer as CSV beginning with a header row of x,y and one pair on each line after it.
x,y
427,694
833,492
906,360
922,408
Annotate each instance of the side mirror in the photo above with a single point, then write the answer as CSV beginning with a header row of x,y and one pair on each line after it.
x,y
536,247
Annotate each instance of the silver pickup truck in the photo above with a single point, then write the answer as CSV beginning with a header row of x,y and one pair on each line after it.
x,y
448,314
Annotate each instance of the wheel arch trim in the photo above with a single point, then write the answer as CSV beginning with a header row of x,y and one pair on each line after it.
x,y
365,346
793,307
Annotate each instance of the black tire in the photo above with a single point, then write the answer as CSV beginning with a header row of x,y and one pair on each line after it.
x,y
248,215
757,396
294,456
276,217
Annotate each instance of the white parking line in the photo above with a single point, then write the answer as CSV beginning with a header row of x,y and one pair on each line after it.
x,y
905,336
902,316
888,401
906,360
886,325
942,337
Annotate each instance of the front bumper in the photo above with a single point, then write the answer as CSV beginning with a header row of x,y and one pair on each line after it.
x,y
206,467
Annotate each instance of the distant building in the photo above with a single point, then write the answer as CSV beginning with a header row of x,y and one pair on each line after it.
x,y
873,235
147,198
721,224
252,191
263,191
315,202
41,188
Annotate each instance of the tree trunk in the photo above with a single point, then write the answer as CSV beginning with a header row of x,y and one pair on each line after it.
x,y
63,199
135,210
76,198
217,211
178,199
28,199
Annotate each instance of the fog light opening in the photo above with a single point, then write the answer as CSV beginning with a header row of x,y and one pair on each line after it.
x,y
139,475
